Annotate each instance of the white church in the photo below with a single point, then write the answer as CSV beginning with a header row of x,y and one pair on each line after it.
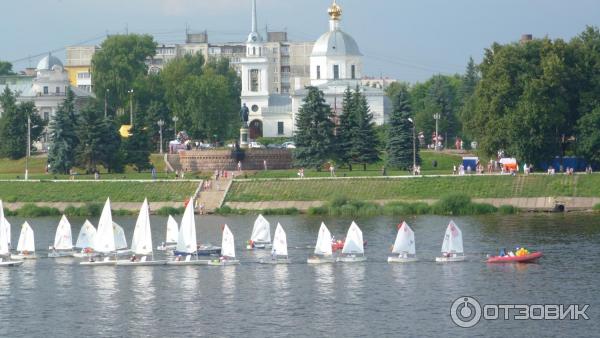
x,y
335,64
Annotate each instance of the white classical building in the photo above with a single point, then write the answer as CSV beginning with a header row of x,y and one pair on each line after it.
x,y
335,65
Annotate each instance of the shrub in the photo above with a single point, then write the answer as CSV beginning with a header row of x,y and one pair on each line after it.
x,y
452,204
509,209
123,212
32,210
481,209
87,210
166,211
318,210
281,211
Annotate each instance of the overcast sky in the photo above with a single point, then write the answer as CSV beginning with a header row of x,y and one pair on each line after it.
x,y
406,39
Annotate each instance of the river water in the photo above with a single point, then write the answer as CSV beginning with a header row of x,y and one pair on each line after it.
x,y
51,298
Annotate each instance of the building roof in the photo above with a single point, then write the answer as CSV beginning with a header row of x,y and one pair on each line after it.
x,y
336,43
48,62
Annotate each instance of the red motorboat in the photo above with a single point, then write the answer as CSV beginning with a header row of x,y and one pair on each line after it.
x,y
338,244
515,259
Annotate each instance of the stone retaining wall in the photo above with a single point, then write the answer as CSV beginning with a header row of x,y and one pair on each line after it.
x,y
209,160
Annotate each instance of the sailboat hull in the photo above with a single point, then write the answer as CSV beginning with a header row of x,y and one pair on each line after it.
x,y
99,263
218,262
450,259
166,247
351,259
259,246
22,257
320,260
192,262
139,263
275,261
396,259
61,254
10,263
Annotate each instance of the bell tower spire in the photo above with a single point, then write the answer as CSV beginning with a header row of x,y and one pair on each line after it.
x,y
254,36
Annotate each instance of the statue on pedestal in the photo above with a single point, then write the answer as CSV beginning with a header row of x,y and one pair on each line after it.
x,y
244,112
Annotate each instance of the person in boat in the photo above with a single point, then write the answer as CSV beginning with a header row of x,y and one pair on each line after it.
x,y
502,252
133,258
92,260
178,258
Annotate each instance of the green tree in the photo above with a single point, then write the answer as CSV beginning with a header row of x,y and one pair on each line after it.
x,y
345,129
6,68
120,61
314,137
588,143
137,148
91,149
63,138
13,125
364,137
111,154
400,134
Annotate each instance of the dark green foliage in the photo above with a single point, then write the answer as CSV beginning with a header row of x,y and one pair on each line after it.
x,y
87,210
123,212
365,142
166,211
588,128
63,139
345,130
314,137
137,148
90,132
597,207
13,126
507,210
32,210
280,211
400,133
460,204
6,68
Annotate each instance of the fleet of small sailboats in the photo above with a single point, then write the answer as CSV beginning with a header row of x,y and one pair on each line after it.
x,y
452,246
323,249
63,240
279,251
404,246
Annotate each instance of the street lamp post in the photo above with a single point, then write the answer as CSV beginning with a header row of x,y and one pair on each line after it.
x,y
130,106
161,123
414,145
437,117
106,103
175,119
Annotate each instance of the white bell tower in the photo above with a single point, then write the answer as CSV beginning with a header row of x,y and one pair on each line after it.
x,y
255,72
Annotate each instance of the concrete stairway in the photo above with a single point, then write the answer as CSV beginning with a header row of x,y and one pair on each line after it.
x,y
213,197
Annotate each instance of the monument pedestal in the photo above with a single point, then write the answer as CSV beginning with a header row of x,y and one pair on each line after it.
x,y
244,137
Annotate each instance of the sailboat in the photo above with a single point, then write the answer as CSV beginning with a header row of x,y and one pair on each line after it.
x,y
354,250
26,244
120,240
323,251
85,240
404,246
279,253
63,240
187,245
5,241
261,234
170,242
141,244
452,247
104,240
227,249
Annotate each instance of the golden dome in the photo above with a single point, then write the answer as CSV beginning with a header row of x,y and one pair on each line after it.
x,y
335,11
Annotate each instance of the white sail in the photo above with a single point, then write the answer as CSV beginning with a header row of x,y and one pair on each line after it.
x,y
85,239
172,230
186,240
104,241
405,240
280,242
120,239
63,239
323,246
228,243
26,239
354,241
453,241
4,233
141,243
261,232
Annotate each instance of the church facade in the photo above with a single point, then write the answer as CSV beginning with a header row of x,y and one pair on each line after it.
x,y
335,64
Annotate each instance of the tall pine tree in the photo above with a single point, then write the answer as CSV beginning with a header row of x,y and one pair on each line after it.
x,y
345,129
400,133
365,142
90,130
63,138
314,131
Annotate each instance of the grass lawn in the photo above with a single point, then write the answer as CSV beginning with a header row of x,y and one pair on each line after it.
x,y
97,191
415,188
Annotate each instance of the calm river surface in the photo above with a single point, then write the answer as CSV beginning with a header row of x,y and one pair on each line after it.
x,y
50,298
